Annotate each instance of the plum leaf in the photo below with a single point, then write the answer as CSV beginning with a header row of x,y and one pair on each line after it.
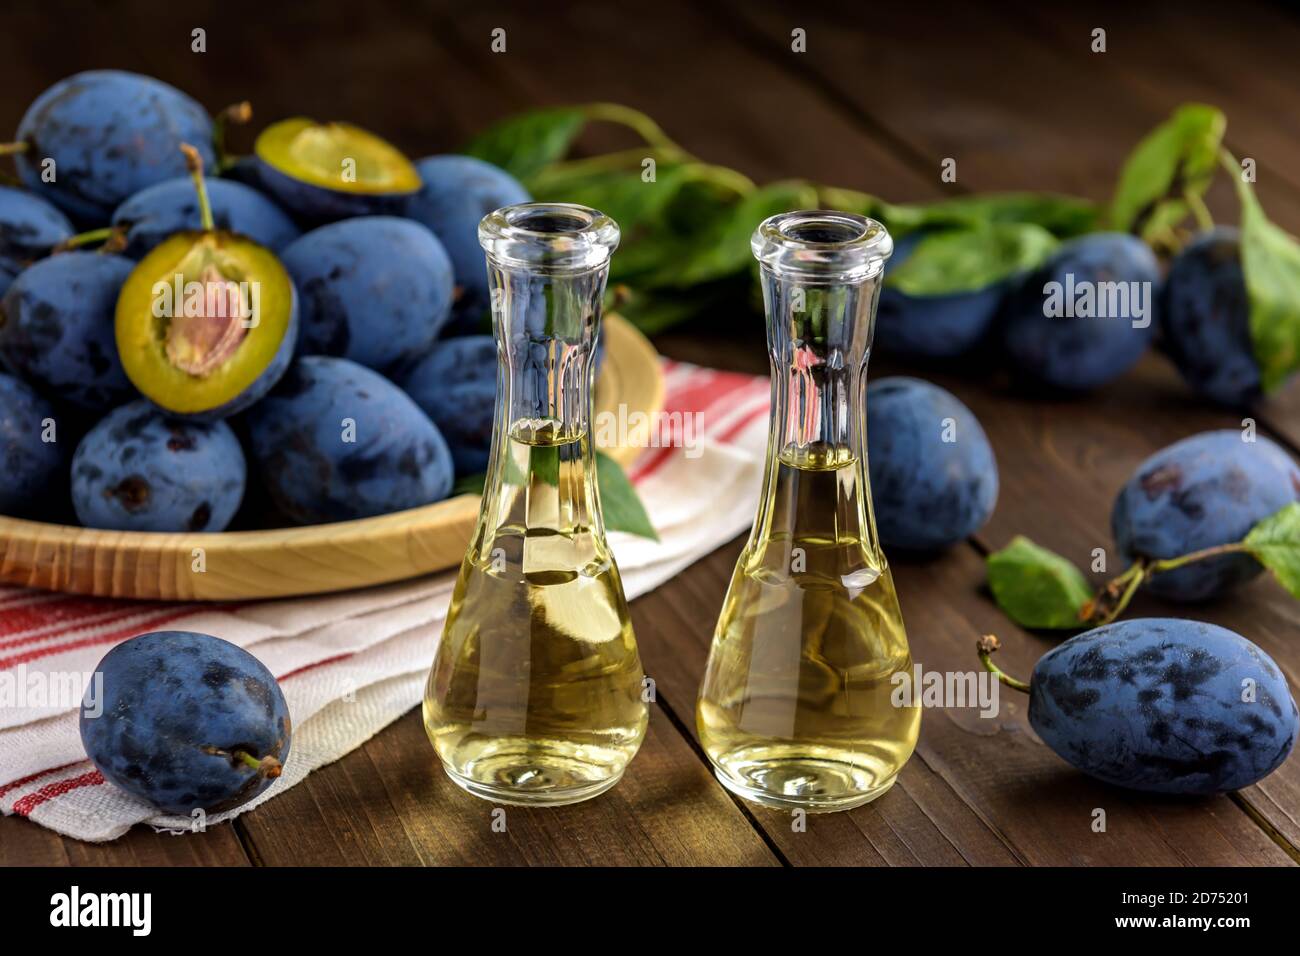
x,y
619,502
523,145
1063,216
971,257
721,247
1037,587
1270,259
1275,543
1173,162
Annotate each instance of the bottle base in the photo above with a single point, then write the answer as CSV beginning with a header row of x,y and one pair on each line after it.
x,y
809,784
533,777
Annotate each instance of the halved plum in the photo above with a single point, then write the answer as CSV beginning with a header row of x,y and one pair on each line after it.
x,y
207,322
326,171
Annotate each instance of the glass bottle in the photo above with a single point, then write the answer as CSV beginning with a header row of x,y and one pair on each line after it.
x,y
796,709
535,695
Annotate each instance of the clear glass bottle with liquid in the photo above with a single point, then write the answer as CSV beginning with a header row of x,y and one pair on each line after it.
x,y
797,707
535,696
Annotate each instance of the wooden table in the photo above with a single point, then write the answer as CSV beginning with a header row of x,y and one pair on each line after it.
x,y
877,103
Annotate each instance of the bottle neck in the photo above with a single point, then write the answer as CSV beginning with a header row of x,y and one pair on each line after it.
x,y
819,341
816,486
546,327
541,472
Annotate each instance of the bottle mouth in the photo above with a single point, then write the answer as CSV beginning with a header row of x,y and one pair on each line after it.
x,y
557,237
822,243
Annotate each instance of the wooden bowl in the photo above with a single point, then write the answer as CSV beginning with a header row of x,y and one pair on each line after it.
x,y
242,565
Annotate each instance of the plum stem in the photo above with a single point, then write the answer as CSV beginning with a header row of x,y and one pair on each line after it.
x,y
194,163
236,114
268,766
1200,211
1115,595
112,237
986,645
13,149
1169,564
639,122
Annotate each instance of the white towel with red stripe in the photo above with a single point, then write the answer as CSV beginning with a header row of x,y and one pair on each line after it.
x,y
350,663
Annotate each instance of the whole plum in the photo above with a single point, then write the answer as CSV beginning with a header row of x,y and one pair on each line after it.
x,y
162,210
934,479
376,290
1086,315
456,385
31,465
139,470
56,328
186,721
1205,317
1164,705
458,192
336,441
109,135
29,228
1206,490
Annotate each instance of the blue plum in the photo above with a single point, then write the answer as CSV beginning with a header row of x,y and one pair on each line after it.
x,y
934,479
140,470
31,464
1205,318
1164,705
161,211
376,290
186,721
458,192
1206,490
1085,316
110,135
933,326
336,441
29,228
56,328
456,386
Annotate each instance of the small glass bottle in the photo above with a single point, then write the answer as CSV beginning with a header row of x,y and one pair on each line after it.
x,y
535,695
796,709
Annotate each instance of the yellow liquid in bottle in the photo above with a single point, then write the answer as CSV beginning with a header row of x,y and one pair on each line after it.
x,y
535,696
795,710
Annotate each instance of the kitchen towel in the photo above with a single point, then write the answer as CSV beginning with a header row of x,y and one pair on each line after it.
x,y
349,663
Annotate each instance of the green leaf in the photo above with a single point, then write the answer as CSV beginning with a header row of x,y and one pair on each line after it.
x,y
721,247
971,258
1037,587
619,501
469,484
621,194
1062,216
522,145
1175,160
1275,543
1270,259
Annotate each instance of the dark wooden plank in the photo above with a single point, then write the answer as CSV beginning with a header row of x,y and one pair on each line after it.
x,y
24,843
389,803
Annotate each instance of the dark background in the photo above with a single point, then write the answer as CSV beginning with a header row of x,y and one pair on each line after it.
x,y
883,95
